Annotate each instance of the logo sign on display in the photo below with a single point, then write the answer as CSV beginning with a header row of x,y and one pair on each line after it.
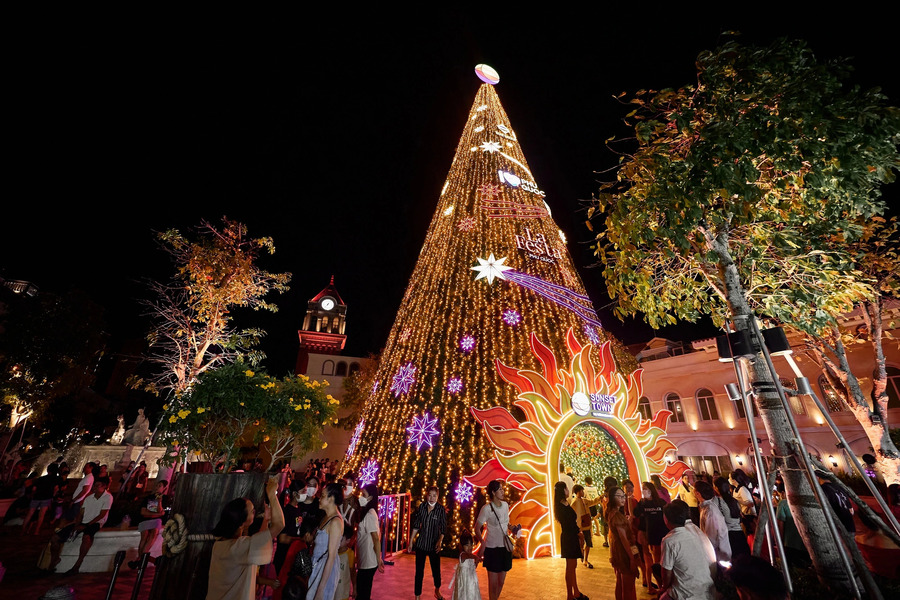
x,y
595,404
537,247
513,180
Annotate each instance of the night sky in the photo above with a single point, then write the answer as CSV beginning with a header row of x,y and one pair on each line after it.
x,y
331,134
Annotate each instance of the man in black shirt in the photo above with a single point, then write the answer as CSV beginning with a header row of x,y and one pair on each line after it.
x,y
293,518
841,505
44,490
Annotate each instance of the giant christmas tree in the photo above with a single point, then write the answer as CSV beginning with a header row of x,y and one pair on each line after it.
x,y
493,298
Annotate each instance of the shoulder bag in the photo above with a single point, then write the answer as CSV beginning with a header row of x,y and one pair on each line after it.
x,y
508,542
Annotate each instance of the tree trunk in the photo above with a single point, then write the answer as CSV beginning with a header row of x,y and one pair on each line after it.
x,y
807,512
872,419
200,497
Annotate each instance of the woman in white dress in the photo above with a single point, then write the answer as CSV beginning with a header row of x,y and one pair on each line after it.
x,y
465,580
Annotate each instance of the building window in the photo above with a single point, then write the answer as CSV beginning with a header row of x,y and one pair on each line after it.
x,y
341,369
707,403
673,404
795,401
644,407
708,465
893,386
328,367
830,398
354,368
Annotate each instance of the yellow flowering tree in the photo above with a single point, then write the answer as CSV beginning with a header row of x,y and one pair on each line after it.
x,y
236,401
293,421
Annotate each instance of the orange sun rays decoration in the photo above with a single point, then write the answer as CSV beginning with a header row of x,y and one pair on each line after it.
x,y
555,402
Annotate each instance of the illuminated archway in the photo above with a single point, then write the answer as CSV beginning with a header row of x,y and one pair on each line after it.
x,y
554,403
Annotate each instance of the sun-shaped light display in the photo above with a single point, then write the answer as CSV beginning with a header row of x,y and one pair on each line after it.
x,y
528,452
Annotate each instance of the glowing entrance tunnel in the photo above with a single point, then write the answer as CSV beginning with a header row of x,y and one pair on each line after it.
x,y
590,451
559,405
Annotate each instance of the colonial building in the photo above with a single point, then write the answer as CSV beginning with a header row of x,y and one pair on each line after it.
x,y
322,339
710,430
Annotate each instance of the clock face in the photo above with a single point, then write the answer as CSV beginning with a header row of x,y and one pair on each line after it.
x,y
327,304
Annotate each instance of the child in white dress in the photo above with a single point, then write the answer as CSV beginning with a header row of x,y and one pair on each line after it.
x,y
465,581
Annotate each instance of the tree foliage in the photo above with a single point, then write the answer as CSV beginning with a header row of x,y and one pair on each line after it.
x,y
743,197
357,390
49,349
769,152
215,273
236,401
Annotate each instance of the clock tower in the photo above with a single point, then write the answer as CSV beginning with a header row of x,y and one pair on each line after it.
x,y
323,326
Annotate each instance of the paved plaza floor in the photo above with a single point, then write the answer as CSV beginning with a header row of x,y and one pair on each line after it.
x,y
540,579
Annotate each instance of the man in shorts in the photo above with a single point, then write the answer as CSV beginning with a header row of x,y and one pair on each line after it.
x,y
94,512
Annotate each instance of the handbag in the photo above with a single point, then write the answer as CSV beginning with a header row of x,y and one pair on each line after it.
x,y
302,565
508,542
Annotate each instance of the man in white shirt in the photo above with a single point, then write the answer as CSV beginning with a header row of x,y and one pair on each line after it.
x,y
712,522
81,492
688,559
563,476
93,515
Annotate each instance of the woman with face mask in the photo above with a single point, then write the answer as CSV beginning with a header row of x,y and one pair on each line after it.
x,y
368,542
429,523
326,568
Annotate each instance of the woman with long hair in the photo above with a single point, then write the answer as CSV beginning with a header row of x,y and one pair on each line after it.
x,y
368,542
623,552
235,557
570,538
731,511
326,565
497,559
652,526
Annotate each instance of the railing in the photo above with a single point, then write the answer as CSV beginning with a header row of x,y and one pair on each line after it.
x,y
394,514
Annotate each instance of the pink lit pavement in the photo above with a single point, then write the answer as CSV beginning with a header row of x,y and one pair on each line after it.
x,y
540,579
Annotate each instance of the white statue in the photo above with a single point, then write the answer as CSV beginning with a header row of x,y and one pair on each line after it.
x,y
139,431
119,435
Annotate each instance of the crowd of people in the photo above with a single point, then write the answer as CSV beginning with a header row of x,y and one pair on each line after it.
x,y
674,546
319,536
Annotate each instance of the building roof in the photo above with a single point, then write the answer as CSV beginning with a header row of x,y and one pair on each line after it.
x,y
329,290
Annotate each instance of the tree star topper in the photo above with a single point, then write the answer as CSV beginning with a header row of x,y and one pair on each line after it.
x,y
490,268
422,430
404,379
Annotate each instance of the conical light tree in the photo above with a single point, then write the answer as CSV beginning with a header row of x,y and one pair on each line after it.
x,y
493,279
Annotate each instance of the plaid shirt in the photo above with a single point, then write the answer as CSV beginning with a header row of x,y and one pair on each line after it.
x,y
431,525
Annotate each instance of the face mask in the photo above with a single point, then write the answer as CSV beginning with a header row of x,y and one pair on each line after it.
x,y
645,494
347,491
431,504
363,500
311,491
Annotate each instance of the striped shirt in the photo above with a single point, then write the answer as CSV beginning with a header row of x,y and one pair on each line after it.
x,y
430,524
